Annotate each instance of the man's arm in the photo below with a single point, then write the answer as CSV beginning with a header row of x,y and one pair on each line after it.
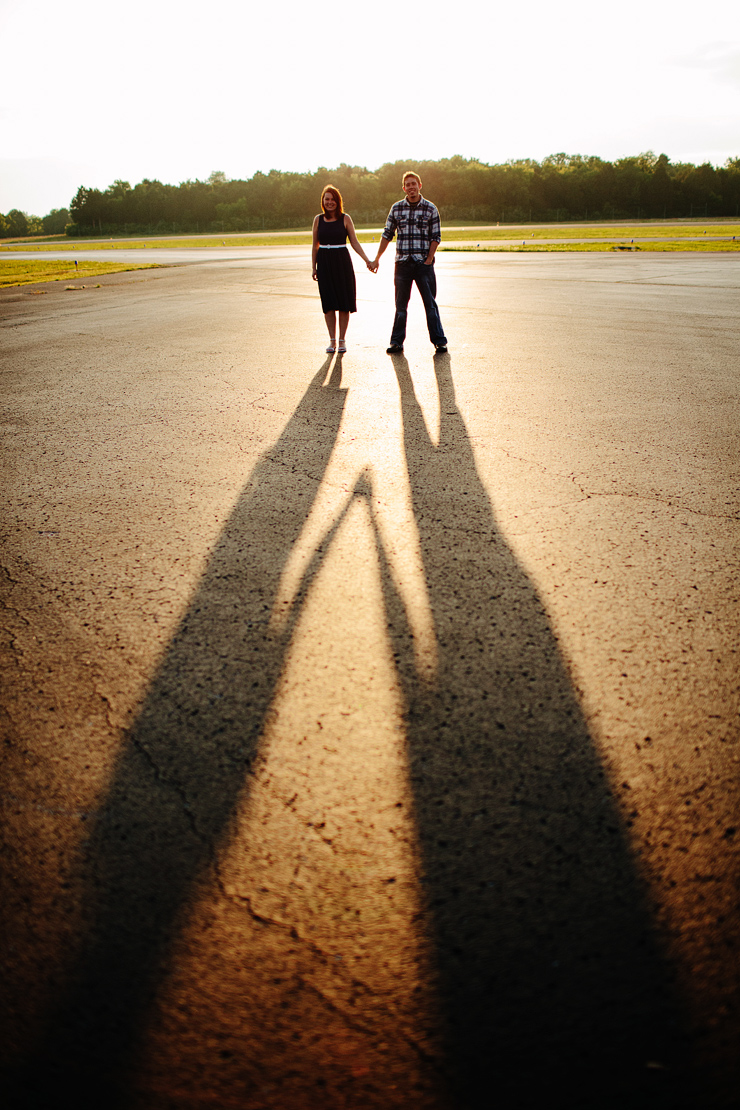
x,y
388,232
382,248
435,232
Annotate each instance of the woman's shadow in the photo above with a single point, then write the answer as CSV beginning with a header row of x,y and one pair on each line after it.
x,y
549,976
183,768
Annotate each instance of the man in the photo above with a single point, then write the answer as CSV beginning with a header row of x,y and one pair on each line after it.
x,y
416,221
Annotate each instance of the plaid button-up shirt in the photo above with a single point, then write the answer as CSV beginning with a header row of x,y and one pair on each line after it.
x,y
417,226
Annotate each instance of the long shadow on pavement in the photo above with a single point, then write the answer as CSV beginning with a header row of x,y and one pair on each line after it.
x,y
550,981
183,767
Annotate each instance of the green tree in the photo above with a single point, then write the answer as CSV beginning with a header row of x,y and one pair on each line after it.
x,y
86,210
17,223
56,221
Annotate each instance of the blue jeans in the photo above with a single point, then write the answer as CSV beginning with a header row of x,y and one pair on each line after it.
x,y
406,273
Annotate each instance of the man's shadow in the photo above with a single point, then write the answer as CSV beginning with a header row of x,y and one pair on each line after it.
x,y
551,984
183,767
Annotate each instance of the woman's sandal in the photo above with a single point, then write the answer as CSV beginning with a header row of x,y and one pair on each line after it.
x,y
342,348
331,348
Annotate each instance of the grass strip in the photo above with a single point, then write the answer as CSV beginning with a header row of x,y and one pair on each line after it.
x,y
29,271
710,246
597,231
78,246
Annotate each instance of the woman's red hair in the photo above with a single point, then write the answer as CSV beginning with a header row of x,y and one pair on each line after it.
x,y
337,197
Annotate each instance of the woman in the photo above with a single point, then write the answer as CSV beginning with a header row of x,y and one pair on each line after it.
x,y
332,265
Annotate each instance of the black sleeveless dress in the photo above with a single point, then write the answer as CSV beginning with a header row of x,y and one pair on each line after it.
x,y
334,269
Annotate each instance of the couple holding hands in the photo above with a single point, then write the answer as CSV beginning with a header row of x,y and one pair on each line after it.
x,y
416,221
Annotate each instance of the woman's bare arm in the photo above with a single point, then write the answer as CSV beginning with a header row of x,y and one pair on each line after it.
x,y
356,244
315,247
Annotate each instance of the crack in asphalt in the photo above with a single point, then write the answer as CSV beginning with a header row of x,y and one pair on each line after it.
x,y
175,786
633,497
348,982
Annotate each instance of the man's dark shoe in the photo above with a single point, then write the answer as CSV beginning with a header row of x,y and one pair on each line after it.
x,y
394,349
440,349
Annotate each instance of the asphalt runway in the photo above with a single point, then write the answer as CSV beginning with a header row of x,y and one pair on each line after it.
x,y
370,724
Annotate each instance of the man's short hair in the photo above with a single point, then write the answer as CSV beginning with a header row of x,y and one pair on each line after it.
x,y
410,173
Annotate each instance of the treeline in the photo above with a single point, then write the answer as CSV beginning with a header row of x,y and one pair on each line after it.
x,y
561,187
17,225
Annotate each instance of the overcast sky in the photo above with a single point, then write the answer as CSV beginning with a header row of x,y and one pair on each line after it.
x,y
91,92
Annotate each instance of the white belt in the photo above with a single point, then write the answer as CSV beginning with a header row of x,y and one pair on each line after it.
x,y
332,246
